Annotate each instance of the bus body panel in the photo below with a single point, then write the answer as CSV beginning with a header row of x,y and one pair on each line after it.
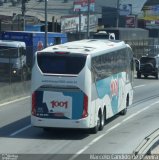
x,y
59,104
61,98
112,92
60,123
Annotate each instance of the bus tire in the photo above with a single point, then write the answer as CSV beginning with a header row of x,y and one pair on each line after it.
x,y
95,129
124,111
104,114
102,121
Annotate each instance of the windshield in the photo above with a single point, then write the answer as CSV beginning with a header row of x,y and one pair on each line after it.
x,y
61,64
101,36
8,52
147,60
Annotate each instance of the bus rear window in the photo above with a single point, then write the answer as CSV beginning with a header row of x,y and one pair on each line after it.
x,y
61,64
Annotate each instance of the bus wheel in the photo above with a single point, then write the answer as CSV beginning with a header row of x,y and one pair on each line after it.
x,y
104,115
124,111
96,128
100,123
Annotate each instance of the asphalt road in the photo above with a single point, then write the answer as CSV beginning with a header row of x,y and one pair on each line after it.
x,y
121,135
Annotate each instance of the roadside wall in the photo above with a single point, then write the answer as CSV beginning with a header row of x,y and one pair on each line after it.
x,y
14,91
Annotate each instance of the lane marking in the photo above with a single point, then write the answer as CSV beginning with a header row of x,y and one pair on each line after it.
x,y
87,146
20,130
14,101
139,86
140,111
109,130
94,141
118,124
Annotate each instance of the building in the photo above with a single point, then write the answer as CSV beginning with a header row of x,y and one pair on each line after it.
x,y
129,10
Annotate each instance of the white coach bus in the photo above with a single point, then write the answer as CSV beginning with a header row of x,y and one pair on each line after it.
x,y
81,84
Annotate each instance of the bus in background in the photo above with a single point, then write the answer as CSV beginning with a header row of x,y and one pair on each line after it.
x,y
81,84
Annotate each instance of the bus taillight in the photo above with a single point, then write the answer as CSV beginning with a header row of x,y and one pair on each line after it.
x,y
85,107
34,103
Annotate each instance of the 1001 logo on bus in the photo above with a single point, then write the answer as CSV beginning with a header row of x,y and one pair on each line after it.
x,y
59,104
114,87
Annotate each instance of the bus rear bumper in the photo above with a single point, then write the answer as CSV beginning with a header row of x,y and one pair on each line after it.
x,y
60,123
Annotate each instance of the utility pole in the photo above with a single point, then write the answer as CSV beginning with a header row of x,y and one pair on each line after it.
x,y
117,19
0,25
23,13
79,24
46,25
88,15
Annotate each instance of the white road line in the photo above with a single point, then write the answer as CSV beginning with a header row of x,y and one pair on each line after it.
x,y
14,101
109,130
138,112
94,141
118,124
86,147
139,86
20,130
135,114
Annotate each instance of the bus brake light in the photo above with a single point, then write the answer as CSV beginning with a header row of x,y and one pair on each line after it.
x,y
85,107
34,103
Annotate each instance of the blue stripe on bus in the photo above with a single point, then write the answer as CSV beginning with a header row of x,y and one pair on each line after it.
x,y
77,103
